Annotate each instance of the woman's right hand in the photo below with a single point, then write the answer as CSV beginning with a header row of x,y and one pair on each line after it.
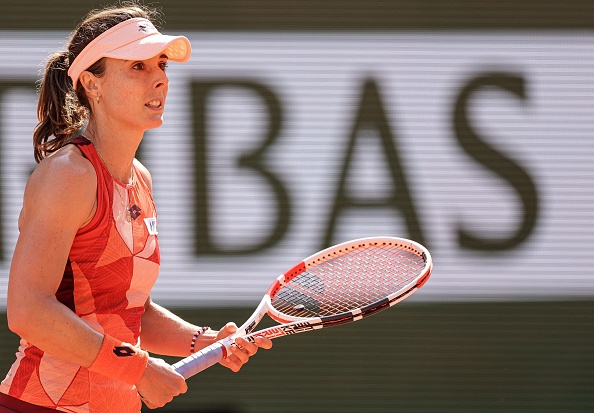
x,y
159,384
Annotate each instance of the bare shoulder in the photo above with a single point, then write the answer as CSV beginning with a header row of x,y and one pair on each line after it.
x,y
66,169
146,175
63,185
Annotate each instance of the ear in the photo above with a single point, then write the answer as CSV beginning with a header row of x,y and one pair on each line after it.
x,y
91,84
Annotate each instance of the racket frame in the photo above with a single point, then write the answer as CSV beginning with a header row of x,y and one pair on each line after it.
x,y
291,324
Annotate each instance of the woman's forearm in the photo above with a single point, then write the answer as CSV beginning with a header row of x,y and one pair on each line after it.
x,y
54,328
167,334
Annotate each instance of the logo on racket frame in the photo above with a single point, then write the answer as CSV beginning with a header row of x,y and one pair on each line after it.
x,y
283,330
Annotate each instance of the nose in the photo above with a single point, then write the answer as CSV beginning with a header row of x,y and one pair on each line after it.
x,y
161,79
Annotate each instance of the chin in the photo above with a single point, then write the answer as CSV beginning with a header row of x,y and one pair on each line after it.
x,y
154,124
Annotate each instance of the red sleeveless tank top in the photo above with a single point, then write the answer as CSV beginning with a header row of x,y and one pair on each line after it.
x,y
111,269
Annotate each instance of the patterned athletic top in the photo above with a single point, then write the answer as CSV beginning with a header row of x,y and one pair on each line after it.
x,y
112,266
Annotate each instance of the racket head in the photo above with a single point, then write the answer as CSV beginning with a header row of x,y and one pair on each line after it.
x,y
350,280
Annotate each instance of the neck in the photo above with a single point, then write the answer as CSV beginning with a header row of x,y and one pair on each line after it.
x,y
117,153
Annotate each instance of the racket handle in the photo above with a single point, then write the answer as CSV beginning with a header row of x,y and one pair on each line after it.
x,y
201,360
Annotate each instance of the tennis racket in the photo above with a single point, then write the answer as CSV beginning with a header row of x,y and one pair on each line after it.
x,y
341,284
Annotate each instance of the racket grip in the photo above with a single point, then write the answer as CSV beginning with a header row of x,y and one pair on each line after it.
x,y
201,360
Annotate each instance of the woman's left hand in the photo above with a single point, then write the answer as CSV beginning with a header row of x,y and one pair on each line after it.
x,y
240,353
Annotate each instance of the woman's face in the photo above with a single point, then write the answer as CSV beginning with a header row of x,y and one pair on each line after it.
x,y
133,92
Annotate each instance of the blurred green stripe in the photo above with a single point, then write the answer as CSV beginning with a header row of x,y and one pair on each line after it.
x,y
322,15
469,357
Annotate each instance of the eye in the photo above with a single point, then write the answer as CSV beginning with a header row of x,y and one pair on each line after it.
x,y
138,66
163,65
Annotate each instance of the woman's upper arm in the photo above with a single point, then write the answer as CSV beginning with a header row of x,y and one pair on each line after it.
x,y
59,198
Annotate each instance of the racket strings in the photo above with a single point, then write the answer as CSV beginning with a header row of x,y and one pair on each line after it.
x,y
350,281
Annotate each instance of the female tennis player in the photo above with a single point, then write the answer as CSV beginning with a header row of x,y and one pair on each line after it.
x,y
87,255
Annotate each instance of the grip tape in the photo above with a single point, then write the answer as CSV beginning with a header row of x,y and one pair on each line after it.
x,y
201,360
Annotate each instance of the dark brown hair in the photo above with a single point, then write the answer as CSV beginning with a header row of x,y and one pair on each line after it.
x,y
62,110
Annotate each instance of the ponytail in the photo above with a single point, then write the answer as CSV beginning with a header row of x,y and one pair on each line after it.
x,y
59,111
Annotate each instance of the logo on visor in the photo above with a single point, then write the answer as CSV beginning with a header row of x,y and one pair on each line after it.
x,y
146,27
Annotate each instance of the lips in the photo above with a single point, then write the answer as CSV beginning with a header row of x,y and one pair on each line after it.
x,y
155,104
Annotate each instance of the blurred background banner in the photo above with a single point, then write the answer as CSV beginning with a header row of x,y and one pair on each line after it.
x,y
466,126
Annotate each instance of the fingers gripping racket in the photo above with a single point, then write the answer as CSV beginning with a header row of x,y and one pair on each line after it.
x,y
338,285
